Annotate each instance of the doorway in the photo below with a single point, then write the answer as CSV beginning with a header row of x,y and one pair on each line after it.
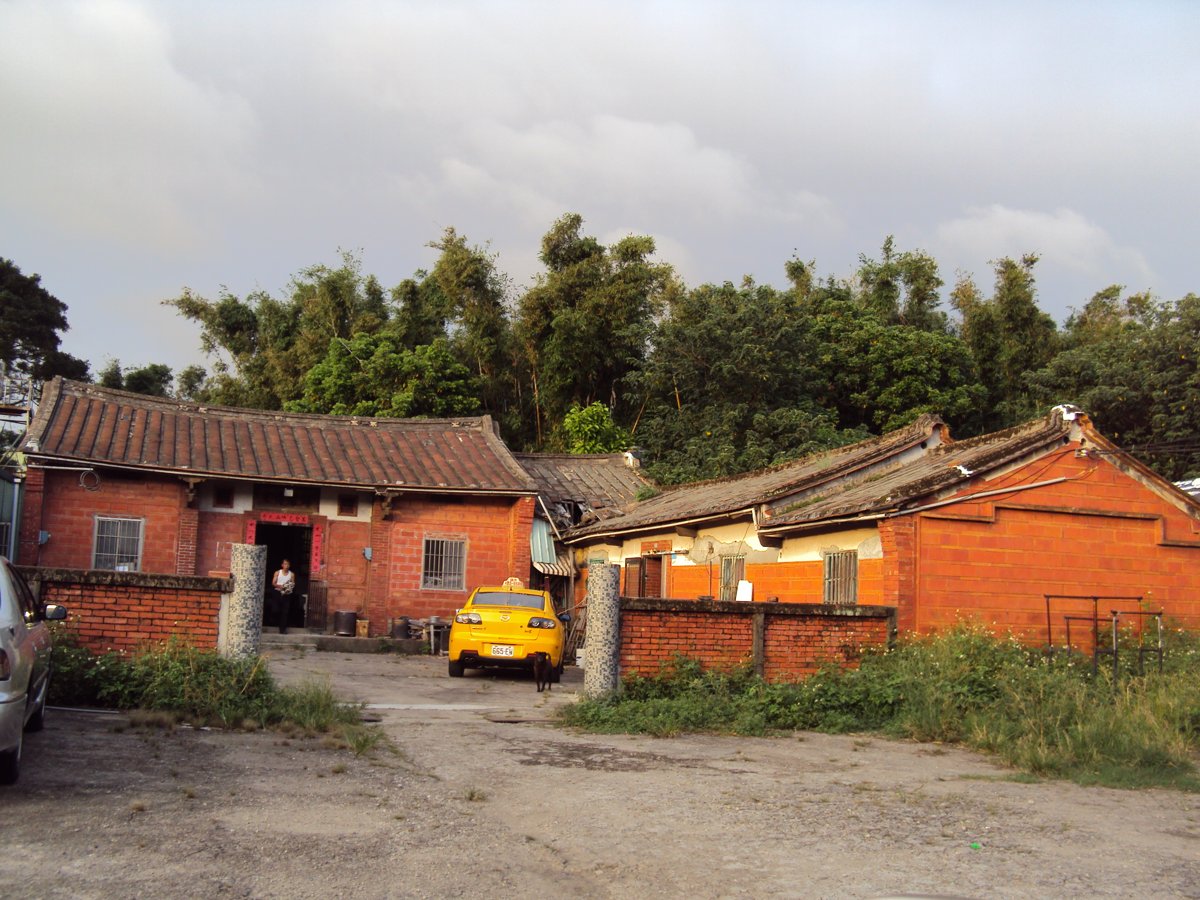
x,y
294,543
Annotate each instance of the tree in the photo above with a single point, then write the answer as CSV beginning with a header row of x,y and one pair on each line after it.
x,y
584,327
590,429
903,288
265,346
31,320
373,375
881,377
1009,336
1131,364
474,294
729,385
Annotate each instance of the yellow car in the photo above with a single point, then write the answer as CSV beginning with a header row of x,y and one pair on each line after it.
x,y
506,626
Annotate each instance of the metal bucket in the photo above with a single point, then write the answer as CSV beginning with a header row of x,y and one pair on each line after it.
x,y
345,622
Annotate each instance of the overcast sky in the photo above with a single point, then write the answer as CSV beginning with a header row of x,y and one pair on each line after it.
x,y
145,147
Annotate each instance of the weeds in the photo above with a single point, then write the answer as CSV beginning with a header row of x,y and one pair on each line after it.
x,y
174,682
1048,718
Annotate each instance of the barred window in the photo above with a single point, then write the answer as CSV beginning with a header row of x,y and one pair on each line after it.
x,y
118,544
733,570
444,564
841,577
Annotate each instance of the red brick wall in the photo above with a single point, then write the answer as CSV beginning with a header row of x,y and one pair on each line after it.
x,y
650,638
121,611
798,646
1102,532
68,512
496,532
216,534
798,639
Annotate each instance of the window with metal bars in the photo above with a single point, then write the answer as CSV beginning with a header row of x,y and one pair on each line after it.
x,y
841,577
444,564
733,570
118,544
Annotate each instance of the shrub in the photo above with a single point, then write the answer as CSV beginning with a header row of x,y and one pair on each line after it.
x,y
198,686
1050,717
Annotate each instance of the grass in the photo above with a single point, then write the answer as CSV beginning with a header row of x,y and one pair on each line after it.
x,y
174,682
1050,719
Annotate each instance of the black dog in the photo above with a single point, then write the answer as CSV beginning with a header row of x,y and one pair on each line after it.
x,y
541,670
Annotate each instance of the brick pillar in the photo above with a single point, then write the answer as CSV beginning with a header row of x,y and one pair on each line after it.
x,y
519,531
375,606
189,530
32,493
899,539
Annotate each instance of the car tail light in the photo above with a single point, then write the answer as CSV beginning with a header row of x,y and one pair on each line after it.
x,y
471,618
5,666
538,622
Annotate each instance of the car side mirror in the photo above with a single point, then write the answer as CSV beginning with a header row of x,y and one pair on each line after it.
x,y
564,618
52,612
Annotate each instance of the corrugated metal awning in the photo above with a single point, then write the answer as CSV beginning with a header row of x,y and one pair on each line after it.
x,y
562,567
541,543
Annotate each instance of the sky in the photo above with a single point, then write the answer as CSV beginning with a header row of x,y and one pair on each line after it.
x,y
147,147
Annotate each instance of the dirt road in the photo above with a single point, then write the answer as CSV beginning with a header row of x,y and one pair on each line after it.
x,y
485,798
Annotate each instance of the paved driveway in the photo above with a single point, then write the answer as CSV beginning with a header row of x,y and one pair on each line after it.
x,y
535,807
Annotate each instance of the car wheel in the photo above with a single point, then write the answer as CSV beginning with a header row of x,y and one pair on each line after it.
x,y
456,668
10,762
556,674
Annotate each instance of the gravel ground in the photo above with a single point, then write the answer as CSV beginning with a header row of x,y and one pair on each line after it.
x,y
482,795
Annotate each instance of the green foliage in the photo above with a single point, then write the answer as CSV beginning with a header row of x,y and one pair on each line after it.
x,y
1009,336
882,376
902,289
966,686
31,322
584,328
199,686
590,429
373,375
1132,365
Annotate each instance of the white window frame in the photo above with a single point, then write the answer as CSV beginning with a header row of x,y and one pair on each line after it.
x,y
443,563
119,555
841,577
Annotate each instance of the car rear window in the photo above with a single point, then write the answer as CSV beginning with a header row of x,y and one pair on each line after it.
x,y
504,598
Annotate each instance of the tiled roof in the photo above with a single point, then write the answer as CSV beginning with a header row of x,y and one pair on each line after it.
x,y
729,496
597,479
599,483
940,470
83,423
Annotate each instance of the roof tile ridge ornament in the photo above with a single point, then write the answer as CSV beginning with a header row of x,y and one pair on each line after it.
x,y
490,429
50,399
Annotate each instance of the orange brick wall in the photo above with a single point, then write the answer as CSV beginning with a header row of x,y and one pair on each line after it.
x,y
798,639
791,582
125,616
994,561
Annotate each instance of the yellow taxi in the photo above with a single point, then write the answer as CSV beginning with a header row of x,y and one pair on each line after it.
x,y
506,626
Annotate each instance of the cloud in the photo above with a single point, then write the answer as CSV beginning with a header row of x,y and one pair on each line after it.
x,y
1063,237
109,139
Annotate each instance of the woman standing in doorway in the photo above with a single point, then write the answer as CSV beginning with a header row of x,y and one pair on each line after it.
x,y
283,582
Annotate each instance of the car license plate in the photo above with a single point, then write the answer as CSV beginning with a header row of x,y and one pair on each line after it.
x,y
502,650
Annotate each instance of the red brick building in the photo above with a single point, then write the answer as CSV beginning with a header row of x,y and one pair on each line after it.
x,y
384,517
940,530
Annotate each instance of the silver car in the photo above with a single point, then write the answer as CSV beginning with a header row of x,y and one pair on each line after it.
x,y
24,666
